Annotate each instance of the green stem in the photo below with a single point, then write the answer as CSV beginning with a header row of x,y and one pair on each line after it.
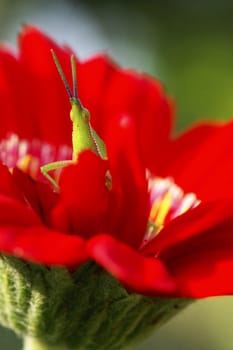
x,y
36,344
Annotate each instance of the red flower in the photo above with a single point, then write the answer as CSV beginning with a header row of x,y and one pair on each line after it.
x,y
164,224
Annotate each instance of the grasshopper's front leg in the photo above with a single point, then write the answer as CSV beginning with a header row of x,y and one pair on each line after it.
x,y
53,166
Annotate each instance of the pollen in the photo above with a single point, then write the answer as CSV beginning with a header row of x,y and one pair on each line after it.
x,y
167,201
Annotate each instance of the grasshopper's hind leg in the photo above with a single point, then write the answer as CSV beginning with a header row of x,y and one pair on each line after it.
x,y
45,169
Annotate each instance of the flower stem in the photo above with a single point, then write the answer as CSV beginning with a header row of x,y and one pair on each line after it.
x,y
36,344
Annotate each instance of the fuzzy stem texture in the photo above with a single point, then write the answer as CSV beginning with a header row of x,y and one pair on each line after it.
x,y
88,309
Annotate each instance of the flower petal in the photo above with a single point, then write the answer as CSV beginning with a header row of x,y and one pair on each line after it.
x,y
41,245
15,212
93,95
140,274
8,186
84,196
40,196
190,224
130,200
200,161
142,98
115,91
203,266
44,88
15,115
197,249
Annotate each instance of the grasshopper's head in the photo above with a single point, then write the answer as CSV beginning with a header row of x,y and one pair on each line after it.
x,y
78,113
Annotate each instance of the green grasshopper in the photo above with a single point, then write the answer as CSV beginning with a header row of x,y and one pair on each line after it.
x,y
84,136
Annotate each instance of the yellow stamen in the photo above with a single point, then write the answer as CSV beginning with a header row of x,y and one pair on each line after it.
x,y
165,206
29,164
24,162
154,210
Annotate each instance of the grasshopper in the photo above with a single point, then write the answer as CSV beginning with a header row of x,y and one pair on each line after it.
x,y
84,136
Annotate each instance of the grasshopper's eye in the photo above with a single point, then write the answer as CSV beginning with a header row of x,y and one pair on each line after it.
x,y
72,115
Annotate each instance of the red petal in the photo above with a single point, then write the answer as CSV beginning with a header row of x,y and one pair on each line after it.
x,y
115,91
14,113
15,213
39,195
155,124
140,274
84,196
8,186
45,90
99,71
41,245
197,249
203,266
142,98
189,225
129,213
200,161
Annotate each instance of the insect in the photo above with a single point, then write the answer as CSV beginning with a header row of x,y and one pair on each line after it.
x,y
84,136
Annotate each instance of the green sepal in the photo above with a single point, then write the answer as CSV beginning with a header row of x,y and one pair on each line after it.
x,y
88,309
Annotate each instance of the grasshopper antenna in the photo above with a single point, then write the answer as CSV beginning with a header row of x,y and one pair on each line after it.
x,y
74,77
61,73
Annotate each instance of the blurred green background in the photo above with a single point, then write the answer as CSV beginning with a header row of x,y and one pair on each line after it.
x,y
189,46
